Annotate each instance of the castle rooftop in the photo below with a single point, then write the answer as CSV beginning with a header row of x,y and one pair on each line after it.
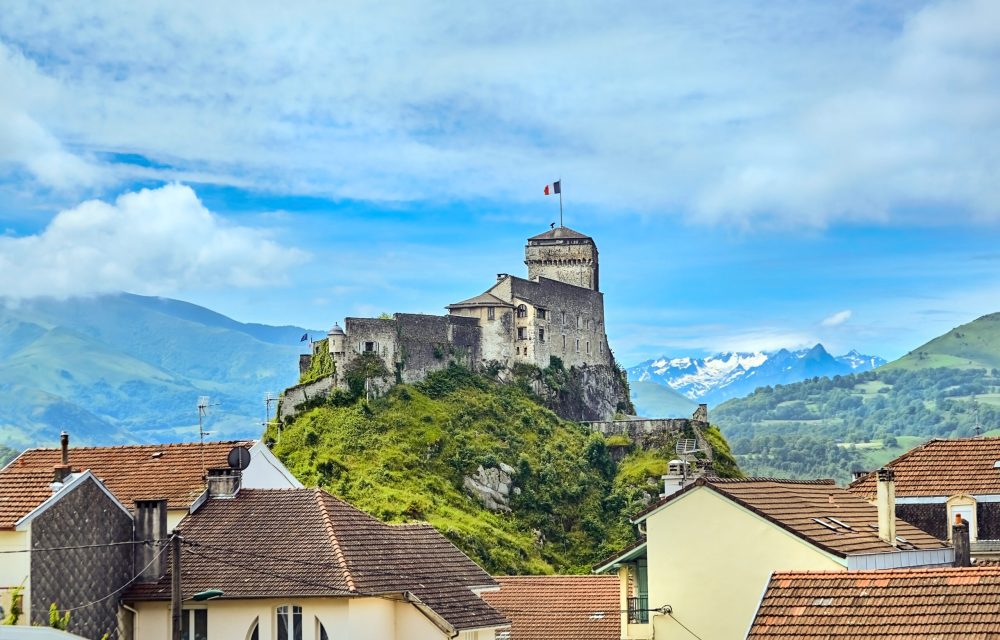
x,y
560,233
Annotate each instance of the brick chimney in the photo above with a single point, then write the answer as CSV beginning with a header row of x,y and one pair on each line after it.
x,y
62,471
150,535
885,500
960,538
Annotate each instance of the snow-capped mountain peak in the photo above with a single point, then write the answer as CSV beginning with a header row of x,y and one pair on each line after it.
x,y
726,375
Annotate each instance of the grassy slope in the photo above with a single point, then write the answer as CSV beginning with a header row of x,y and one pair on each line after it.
x,y
974,345
403,457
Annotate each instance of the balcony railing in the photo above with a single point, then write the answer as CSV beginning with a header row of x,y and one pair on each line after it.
x,y
638,610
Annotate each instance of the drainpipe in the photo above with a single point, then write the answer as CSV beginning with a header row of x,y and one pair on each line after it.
x,y
885,500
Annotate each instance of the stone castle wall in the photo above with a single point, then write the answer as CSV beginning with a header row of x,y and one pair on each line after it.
x,y
569,261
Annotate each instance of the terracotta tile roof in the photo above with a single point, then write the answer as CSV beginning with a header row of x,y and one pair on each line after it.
x,y
22,490
131,472
888,605
307,543
559,607
818,511
943,468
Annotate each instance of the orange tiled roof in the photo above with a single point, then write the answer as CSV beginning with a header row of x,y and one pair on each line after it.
x,y
943,604
818,511
307,543
943,468
559,607
132,472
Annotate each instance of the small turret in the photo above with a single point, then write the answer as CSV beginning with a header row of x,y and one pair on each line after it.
x,y
336,340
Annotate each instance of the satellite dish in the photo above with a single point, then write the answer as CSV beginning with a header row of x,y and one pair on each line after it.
x,y
239,458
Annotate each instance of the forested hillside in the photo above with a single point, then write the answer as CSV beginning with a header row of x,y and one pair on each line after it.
x,y
407,455
825,427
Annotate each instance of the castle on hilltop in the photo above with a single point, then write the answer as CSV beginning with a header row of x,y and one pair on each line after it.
x,y
557,312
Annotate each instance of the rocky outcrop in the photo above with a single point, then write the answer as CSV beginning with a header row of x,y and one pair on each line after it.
x,y
594,392
492,486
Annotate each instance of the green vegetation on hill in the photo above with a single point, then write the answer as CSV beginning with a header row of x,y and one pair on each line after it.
x,y
825,427
404,457
975,345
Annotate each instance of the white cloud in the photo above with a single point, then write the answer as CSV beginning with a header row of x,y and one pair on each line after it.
x,y
732,111
836,319
154,241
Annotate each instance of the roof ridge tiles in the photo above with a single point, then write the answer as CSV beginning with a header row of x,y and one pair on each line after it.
x,y
144,446
338,553
818,481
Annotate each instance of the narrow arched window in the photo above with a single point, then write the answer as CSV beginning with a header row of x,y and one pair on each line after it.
x,y
254,632
321,631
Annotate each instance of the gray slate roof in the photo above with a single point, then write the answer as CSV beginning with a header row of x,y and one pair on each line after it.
x,y
558,233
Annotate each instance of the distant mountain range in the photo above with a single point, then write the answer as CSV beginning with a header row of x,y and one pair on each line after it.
x,y
717,378
125,368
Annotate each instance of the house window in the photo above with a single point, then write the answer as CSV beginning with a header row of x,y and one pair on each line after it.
x,y
321,631
541,334
194,624
522,311
254,633
540,314
289,622
491,313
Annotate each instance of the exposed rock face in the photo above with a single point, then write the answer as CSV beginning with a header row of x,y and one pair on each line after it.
x,y
595,392
492,486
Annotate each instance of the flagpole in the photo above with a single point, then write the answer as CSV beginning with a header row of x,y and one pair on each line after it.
x,y
560,203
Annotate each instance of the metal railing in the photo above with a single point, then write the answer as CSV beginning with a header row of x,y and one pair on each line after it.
x,y
638,610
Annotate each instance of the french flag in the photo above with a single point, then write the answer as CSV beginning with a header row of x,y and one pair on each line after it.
x,y
551,189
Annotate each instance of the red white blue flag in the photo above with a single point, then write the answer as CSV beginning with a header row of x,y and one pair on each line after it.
x,y
553,188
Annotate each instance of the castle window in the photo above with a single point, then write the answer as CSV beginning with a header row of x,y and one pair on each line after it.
x,y
522,311
564,342
540,314
579,322
600,347
370,347
563,314
522,333
578,345
490,313
588,346
541,334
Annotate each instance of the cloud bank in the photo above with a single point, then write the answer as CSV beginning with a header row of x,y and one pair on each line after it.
x,y
730,112
154,241
837,319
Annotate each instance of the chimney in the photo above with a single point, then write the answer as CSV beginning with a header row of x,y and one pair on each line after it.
x,y
150,534
223,483
885,500
960,538
62,471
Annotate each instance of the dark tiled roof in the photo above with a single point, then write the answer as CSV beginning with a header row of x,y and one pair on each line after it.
x,y
559,607
482,300
131,472
943,468
307,543
888,605
803,506
620,554
558,233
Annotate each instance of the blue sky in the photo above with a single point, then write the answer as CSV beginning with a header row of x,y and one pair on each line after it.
x,y
756,175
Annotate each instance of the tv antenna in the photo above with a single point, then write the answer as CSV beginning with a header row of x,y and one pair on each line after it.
x,y
203,405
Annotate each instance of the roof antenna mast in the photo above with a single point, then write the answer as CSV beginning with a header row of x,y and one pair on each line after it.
x,y
203,405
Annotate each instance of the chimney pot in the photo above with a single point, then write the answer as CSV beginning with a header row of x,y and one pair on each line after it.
x,y
960,539
64,444
885,501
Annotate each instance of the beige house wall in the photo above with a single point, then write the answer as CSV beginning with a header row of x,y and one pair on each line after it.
x,y
710,560
15,569
343,619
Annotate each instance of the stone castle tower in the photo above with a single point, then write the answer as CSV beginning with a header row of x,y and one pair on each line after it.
x,y
564,255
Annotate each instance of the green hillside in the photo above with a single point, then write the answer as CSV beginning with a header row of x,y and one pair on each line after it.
x,y
975,345
404,456
659,401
